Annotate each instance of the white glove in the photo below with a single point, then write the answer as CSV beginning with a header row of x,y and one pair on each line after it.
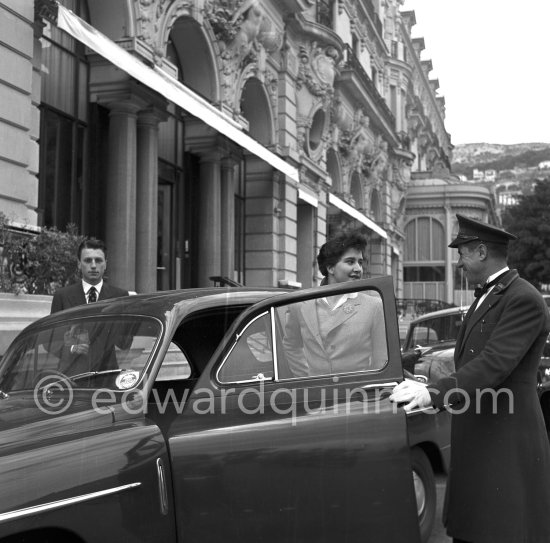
x,y
413,394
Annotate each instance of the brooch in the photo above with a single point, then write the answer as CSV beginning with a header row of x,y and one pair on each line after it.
x,y
348,308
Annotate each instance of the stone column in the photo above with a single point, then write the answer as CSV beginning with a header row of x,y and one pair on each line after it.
x,y
227,262
121,195
146,200
263,211
209,235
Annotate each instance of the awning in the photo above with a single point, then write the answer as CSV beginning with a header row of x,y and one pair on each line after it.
x,y
348,210
169,87
308,197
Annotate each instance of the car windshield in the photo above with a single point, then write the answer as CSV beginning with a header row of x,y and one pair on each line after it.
x,y
100,352
434,331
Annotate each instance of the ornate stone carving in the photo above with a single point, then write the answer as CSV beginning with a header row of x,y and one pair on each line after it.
x,y
155,15
223,18
363,152
46,9
270,38
317,69
401,174
237,24
271,81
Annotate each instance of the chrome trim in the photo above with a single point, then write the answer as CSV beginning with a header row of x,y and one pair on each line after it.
x,y
274,345
430,410
237,337
163,492
380,385
36,509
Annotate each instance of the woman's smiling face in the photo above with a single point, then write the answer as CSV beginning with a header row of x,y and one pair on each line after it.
x,y
348,268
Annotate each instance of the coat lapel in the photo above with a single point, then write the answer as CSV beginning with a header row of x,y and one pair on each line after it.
x,y
473,317
348,309
104,292
309,313
77,297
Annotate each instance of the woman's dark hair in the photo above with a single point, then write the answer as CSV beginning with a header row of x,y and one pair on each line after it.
x,y
331,252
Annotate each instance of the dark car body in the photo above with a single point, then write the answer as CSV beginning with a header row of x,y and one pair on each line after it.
x,y
189,426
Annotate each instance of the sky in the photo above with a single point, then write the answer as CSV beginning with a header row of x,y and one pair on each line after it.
x,y
492,59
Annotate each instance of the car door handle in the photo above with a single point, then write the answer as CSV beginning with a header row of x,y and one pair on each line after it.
x,y
163,491
385,387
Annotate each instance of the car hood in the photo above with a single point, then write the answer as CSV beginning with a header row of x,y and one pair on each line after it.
x,y
24,418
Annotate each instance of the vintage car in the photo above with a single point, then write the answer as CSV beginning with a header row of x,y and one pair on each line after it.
x,y
176,416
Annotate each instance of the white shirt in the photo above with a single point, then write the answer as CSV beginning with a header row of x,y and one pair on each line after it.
x,y
86,286
342,300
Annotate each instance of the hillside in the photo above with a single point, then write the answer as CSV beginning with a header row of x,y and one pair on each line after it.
x,y
485,156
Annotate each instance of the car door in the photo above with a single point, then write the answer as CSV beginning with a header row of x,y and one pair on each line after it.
x,y
278,446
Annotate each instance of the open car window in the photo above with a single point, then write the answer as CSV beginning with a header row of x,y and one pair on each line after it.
x,y
319,337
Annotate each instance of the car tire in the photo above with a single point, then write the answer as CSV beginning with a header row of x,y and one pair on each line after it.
x,y
424,487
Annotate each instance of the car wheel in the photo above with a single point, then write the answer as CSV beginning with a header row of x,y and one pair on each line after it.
x,y
424,488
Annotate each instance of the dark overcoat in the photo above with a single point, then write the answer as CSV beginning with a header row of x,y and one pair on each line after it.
x,y
499,482
73,295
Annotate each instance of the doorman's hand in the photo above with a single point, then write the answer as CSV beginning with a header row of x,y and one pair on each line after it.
x,y
413,394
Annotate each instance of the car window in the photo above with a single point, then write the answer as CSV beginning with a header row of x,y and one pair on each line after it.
x,y
436,330
251,358
320,337
311,339
89,352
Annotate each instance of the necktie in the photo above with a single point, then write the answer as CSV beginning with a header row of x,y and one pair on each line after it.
x,y
92,295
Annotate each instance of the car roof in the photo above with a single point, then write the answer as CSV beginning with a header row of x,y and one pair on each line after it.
x,y
441,313
158,304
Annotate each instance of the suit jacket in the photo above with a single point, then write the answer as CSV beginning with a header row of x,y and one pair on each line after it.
x,y
73,295
499,483
356,338
102,353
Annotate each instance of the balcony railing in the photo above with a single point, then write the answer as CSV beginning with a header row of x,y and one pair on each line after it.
x,y
352,63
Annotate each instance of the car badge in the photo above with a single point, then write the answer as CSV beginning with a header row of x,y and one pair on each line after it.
x,y
126,379
348,308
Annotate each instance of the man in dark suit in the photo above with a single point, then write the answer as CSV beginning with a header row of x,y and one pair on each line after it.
x,y
77,354
499,481
92,264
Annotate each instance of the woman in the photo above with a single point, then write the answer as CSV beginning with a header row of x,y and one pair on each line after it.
x,y
337,334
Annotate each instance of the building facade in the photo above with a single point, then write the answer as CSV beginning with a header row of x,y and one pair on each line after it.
x,y
335,88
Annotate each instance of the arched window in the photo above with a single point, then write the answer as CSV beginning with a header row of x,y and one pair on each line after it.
x,y
63,124
424,255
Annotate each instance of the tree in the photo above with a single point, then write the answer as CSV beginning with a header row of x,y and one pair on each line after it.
x,y
529,219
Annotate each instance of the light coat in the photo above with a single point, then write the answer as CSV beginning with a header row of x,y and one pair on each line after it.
x,y
355,338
